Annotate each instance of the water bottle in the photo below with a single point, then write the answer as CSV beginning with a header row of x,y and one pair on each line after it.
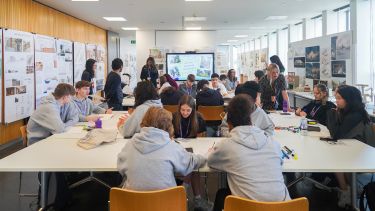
x,y
98,123
285,106
303,126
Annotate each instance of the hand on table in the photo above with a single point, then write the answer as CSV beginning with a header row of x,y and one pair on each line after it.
x,y
122,120
109,111
92,118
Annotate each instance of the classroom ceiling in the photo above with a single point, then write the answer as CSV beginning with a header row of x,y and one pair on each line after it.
x,y
228,17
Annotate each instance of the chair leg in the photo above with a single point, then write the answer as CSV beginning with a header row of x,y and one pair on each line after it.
x,y
24,194
19,185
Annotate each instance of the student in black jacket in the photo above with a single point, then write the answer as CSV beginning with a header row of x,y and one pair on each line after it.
x,y
207,96
170,96
149,71
112,89
89,73
317,109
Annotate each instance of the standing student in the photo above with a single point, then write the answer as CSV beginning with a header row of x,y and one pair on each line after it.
x,y
89,73
217,85
276,60
258,75
273,89
231,81
207,96
151,158
149,71
87,110
259,117
251,159
54,114
170,96
189,87
163,84
112,88
146,96
317,109
349,121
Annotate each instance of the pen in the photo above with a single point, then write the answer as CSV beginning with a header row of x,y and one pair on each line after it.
x,y
288,150
213,145
284,153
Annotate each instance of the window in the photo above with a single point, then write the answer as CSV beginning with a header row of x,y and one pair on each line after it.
x,y
296,32
257,44
283,46
235,57
263,42
338,20
272,49
314,27
252,47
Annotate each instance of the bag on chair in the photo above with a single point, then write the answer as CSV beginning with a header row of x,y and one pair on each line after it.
x,y
369,193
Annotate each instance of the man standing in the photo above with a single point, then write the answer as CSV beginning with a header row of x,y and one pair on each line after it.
x,y
112,89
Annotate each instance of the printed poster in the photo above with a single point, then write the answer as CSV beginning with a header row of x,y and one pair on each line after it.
x,y
100,71
65,61
18,75
79,56
46,72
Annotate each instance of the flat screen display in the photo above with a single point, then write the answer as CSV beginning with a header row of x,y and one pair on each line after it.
x,y
180,65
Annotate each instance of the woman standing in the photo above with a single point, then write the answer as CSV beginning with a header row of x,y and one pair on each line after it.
x,y
149,71
89,73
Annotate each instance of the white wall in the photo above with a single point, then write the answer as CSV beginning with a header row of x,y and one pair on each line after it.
x,y
128,56
145,41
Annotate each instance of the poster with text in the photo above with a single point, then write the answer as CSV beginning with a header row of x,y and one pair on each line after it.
x,y
46,74
100,71
65,61
79,56
18,75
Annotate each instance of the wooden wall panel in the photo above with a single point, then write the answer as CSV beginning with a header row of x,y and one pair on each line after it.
x,y
30,16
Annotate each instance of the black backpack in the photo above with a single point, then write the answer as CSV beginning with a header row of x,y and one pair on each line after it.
x,y
369,192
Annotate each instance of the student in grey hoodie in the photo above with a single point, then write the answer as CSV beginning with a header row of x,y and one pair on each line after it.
x,y
87,110
146,96
150,159
251,159
54,114
258,117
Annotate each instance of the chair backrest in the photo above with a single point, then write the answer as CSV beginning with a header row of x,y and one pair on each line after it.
x,y
211,113
171,108
233,203
161,200
24,135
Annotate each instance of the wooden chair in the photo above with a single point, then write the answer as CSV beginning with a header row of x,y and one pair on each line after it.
x,y
211,113
234,203
172,199
24,136
171,108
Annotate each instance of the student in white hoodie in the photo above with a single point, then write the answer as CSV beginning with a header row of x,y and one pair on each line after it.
x,y
146,96
251,159
54,114
151,158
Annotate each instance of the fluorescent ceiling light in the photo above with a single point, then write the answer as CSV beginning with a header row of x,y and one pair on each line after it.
x,y
198,0
232,40
114,18
276,17
193,28
130,28
241,36
195,18
85,0
224,44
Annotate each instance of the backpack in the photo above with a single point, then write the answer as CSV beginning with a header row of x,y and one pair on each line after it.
x,y
369,192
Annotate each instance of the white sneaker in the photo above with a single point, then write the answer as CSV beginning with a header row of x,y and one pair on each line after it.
x,y
203,204
344,198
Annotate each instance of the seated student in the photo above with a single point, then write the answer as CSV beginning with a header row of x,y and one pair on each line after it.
x,y
240,156
216,85
258,75
163,84
189,87
151,158
317,109
54,114
85,107
231,81
259,118
349,121
207,96
170,96
145,97
223,80
171,81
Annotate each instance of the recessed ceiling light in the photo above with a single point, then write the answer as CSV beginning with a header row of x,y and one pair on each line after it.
x,y
276,17
114,18
130,28
193,28
241,36
85,0
232,40
198,0
195,18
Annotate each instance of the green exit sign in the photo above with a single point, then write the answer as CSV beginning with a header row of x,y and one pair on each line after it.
x,y
132,41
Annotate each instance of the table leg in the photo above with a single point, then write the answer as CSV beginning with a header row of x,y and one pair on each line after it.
x,y
43,190
354,190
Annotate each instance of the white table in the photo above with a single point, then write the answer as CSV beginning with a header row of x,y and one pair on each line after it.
x,y
128,101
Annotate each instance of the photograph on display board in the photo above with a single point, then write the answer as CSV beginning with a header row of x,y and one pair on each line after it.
x,y
65,61
333,48
324,82
299,62
340,47
325,63
337,82
313,54
100,75
313,70
338,69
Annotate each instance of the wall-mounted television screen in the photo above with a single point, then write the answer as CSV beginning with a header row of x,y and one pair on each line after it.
x,y
180,65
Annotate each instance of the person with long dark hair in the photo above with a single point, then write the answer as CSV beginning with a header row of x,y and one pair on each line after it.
x,y
231,81
276,60
146,96
149,71
89,73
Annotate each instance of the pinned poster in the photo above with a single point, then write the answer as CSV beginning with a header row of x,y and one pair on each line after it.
x,y
100,72
79,55
46,73
65,61
18,75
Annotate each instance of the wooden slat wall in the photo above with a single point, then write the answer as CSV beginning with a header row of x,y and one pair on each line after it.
x,y
30,16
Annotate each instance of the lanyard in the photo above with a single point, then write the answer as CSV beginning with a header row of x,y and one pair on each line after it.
x,y
187,129
313,111
189,91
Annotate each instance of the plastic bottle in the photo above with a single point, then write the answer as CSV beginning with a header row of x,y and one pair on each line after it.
x,y
98,123
285,106
303,126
